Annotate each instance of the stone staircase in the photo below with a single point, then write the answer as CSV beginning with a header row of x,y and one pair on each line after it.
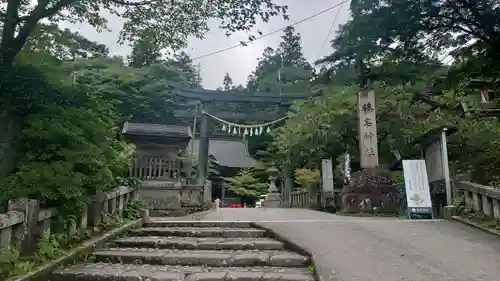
x,y
192,251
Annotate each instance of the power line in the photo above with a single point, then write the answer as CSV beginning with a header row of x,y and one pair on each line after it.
x,y
273,32
331,29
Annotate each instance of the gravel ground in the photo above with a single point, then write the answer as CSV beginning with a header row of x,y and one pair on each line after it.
x,y
381,249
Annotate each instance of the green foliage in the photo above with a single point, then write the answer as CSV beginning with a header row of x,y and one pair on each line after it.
x,y
141,95
133,209
144,53
307,177
245,183
63,44
48,247
11,263
327,126
68,150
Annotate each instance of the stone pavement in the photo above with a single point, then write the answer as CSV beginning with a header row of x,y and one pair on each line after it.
x,y
381,249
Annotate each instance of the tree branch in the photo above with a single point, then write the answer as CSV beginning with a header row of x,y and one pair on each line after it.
x,y
15,44
9,26
128,3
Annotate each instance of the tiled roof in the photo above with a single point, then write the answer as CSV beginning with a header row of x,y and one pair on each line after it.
x,y
228,153
148,129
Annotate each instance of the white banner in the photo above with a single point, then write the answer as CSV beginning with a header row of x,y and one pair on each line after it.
x,y
418,195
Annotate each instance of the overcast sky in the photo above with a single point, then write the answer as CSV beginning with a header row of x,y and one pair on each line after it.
x,y
240,62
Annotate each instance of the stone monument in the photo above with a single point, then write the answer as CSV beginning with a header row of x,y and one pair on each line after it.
x,y
370,189
273,197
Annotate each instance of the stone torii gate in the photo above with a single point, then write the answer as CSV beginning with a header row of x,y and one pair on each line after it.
x,y
206,97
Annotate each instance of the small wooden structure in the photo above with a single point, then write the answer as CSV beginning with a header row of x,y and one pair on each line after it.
x,y
163,169
158,150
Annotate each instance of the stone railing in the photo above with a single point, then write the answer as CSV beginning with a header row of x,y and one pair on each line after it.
x,y
481,198
25,221
304,198
300,199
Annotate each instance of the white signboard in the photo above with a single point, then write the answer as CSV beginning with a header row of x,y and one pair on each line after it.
x,y
327,175
418,195
368,144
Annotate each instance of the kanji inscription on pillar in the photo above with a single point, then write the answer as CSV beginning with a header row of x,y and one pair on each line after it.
x,y
368,144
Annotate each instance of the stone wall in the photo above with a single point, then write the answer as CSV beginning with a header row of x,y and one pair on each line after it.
x,y
166,198
25,221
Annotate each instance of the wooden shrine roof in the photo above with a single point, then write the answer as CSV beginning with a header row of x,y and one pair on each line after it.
x,y
159,130
227,152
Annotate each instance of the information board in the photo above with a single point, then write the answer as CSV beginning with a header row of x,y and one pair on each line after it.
x,y
418,196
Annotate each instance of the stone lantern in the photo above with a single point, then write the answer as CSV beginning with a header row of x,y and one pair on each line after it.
x,y
273,197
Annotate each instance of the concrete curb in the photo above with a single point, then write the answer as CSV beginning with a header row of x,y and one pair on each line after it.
x,y
290,245
42,273
476,225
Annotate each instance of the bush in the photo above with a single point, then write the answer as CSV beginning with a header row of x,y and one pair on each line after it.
x,y
68,148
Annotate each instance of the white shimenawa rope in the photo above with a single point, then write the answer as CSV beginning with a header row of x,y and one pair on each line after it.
x,y
244,126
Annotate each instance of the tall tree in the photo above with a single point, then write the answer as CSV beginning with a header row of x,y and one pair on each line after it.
x,y
417,31
144,53
290,50
283,69
227,83
183,62
171,22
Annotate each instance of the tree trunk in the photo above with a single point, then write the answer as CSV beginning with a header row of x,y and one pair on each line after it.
x,y
10,129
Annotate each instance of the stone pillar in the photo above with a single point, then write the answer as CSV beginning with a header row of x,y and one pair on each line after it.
x,y
273,198
487,205
96,209
368,143
371,184
30,208
203,150
477,204
496,208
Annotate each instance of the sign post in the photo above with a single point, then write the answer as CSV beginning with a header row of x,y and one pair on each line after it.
x,y
418,194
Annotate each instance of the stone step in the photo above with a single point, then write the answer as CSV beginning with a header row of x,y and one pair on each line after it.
x,y
159,222
134,272
222,258
201,243
200,232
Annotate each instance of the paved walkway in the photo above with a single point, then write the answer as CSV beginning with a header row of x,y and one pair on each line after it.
x,y
381,249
